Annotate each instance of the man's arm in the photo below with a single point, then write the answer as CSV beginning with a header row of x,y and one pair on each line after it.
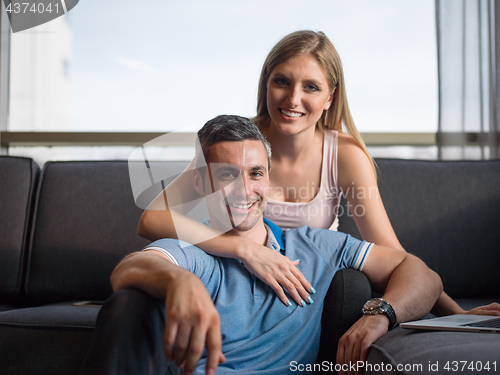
x,y
406,283
192,322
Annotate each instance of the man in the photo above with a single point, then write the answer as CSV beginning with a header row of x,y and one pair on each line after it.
x,y
216,304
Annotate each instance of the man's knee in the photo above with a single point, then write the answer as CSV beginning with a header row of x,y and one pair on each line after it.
x,y
132,304
128,338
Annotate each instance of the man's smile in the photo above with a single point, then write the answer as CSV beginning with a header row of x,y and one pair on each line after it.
x,y
245,207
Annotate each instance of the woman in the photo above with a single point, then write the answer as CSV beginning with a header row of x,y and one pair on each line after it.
x,y
317,153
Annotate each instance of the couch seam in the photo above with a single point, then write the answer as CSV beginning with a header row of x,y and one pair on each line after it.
x,y
19,281
33,227
29,211
45,326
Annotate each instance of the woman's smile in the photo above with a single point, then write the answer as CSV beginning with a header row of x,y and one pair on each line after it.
x,y
289,113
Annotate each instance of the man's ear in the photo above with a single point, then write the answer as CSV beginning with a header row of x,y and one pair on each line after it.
x,y
198,182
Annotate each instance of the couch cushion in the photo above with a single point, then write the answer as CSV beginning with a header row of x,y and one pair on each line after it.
x,y
448,214
85,223
416,351
45,340
18,180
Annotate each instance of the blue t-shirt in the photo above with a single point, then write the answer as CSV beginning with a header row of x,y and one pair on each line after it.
x,y
260,335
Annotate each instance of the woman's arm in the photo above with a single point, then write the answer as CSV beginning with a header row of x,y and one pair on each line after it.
x,y
358,182
160,221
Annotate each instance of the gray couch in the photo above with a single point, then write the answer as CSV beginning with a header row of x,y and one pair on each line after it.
x,y
65,228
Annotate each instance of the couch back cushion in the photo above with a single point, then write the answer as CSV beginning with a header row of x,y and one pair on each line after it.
x,y
448,214
18,180
85,223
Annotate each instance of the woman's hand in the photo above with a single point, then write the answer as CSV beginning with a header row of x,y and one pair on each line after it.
x,y
491,309
278,272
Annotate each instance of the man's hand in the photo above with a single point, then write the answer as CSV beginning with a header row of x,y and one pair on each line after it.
x,y
192,322
354,345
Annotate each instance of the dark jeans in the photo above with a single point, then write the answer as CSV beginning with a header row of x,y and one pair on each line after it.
x,y
128,338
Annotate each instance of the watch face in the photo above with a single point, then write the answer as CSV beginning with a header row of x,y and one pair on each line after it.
x,y
373,304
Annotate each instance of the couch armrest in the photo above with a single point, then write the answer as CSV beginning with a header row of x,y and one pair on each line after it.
x,y
348,292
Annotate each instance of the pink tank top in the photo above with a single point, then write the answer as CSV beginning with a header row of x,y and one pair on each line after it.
x,y
321,211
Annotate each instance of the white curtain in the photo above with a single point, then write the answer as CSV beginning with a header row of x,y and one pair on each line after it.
x,y
468,102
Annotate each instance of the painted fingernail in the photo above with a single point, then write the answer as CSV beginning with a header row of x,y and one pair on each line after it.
x,y
288,303
296,260
302,303
309,299
313,290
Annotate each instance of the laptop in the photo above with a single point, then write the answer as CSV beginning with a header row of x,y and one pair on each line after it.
x,y
465,323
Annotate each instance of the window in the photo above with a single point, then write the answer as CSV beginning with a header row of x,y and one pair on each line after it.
x,y
162,66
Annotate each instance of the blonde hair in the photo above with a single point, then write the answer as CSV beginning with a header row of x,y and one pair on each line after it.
x,y
318,45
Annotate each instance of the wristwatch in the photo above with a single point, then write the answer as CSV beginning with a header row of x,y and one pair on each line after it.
x,y
376,306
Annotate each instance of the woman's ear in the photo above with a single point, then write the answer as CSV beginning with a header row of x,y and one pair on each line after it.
x,y
330,99
198,182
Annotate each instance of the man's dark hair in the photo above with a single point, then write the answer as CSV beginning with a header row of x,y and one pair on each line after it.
x,y
228,128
